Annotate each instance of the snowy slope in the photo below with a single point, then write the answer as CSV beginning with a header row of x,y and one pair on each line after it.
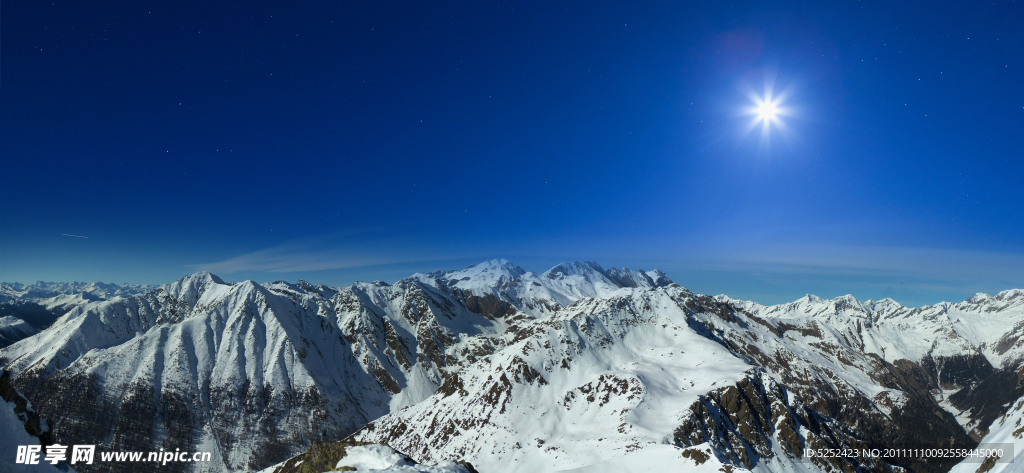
x,y
241,363
661,458
361,456
531,406
17,418
384,459
1008,429
13,434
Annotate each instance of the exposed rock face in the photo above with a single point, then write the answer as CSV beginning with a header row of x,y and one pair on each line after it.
x,y
35,425
21,427
750,422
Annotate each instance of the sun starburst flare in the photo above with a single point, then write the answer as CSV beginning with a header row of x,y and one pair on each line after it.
x,y
768,113
767,110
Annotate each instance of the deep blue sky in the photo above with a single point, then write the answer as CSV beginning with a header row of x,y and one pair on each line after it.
x,y
336,141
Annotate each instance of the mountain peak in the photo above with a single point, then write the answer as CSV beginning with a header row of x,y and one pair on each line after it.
x,y
491,273
499,264
886,302
1010,294
849,298
497,267
201,277
574,268
195,283
646,279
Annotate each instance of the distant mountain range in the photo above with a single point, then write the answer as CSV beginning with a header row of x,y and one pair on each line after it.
x,y
42,303
578,368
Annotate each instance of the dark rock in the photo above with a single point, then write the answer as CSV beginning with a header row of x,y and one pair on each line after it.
x,y
35,425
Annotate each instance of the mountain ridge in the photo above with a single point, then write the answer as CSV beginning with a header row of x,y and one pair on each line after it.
x,y
151,353
285,365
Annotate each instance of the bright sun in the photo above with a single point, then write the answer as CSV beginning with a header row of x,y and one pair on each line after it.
x,y
767,111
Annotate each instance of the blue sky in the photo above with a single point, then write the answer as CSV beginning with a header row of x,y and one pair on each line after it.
x,y
368,140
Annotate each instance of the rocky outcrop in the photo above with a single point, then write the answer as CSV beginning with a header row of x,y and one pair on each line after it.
x,y
35,425
754,420
318,458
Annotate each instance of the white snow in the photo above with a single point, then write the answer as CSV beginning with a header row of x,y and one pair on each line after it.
x,y
384,459
1005,432
372,457
656,458
895,332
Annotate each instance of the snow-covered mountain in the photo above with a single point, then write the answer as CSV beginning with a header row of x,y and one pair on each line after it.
x,y
41,290
13,329
627,375
41,303
597,381
255,373
575,369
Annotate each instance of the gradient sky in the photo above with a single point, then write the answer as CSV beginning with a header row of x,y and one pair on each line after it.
x,y
336,141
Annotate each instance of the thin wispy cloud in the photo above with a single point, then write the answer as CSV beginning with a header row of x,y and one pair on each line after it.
x,y
336,251
294,258
76,236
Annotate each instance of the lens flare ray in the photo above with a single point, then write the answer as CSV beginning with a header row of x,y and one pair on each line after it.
x,y
768,112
